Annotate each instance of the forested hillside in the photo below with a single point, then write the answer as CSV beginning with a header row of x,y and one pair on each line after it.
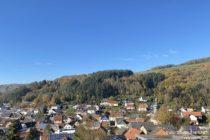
x,y
9,88
174,85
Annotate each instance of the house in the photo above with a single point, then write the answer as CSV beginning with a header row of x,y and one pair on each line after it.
x,y
92,109
131,134
110,103
205,110
57,108
187,114
81,109
5,115
15,116
7,105
120,123
40,126
69,120
195,117
104,118
190,109
140,127
54,109
193,129
203,130
58,119
139,137
117,137
54,127
169,128
183,131
114,115
135,120
183,109
194,120
24,127
160,133
24,112
188,130
68,129
147,125
154,107
143,130
141,99
142,107
123,111
129,105
121,131
61,137
78,117
51,111
36,111
28,121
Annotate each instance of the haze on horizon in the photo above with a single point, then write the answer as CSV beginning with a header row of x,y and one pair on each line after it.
x,y
48,39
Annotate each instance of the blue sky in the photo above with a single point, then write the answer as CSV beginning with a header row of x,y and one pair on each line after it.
x,y
46,39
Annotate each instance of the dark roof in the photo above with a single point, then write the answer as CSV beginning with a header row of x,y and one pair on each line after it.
x,y
168,127
6,114
104,117
16,115
92,108
137,125
117,137
120,121
61,136
133,115
27,119
121,131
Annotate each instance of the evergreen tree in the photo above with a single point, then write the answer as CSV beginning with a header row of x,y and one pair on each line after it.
x,y
33,134
13,131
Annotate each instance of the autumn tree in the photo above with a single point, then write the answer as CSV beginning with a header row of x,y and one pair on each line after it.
x,y
163,116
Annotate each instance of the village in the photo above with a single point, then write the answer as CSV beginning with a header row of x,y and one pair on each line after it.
x,y
119,120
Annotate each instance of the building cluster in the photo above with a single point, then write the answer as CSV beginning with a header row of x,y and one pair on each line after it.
x,y
126,120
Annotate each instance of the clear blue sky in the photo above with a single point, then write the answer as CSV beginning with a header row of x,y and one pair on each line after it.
x,y
46,39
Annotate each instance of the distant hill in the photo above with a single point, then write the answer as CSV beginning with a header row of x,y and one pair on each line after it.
x,y
197,61
185,85
9,88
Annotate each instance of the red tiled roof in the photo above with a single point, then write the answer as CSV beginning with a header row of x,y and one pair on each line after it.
x,y
115,114
143,105
131,134
112,102
130,105
185,114
58,118
196,114
161,132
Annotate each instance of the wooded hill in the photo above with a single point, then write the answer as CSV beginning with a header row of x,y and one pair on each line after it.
x,y
185,85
